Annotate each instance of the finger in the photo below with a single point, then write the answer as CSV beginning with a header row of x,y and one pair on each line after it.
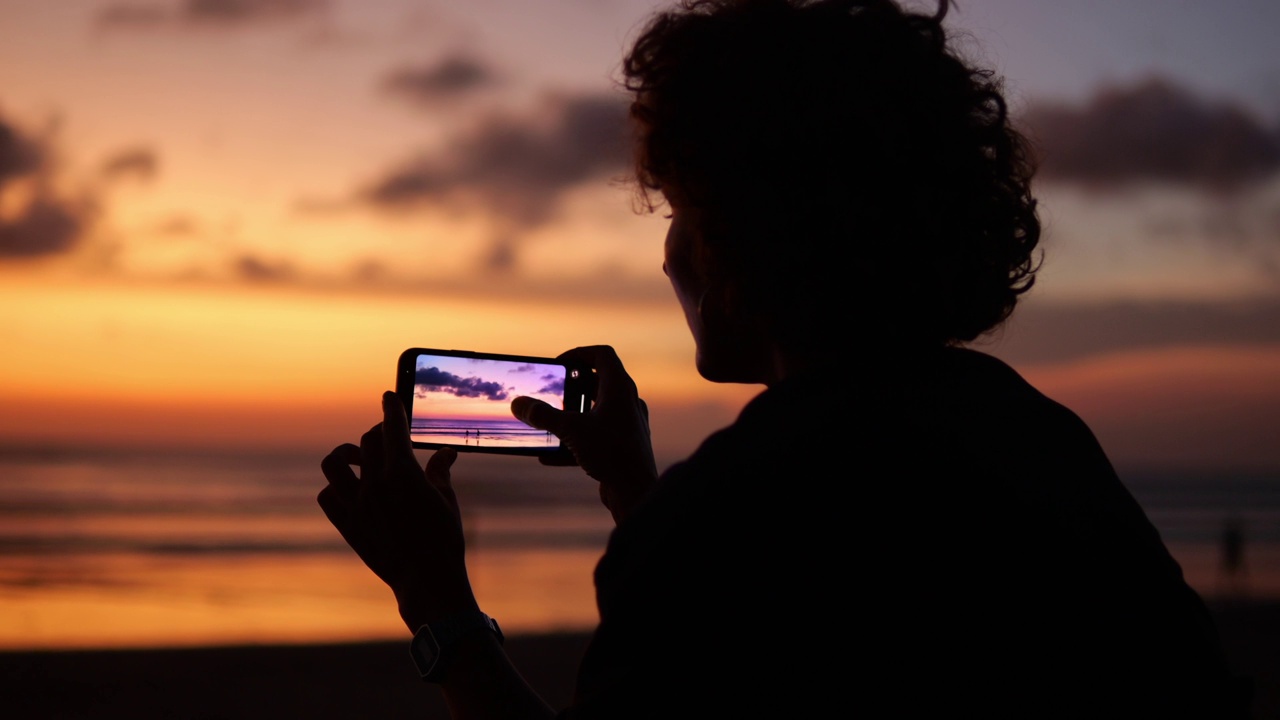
x,y
614,382
336,467
335,506
341,514
345,517
373,458
538,414
395,429
438,474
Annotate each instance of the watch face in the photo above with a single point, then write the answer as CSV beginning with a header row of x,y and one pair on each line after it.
x,y
431,646
425,651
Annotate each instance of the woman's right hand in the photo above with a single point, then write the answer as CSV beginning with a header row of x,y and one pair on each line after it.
x,y
401,519
610,442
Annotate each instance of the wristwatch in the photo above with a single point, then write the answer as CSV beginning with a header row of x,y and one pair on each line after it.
x,y
433,644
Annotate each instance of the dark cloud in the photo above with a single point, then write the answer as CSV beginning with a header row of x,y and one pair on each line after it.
x,y
19,156
44,227
139,163
433,379
208,13
501,255
256,269
516,168
245,11
45,224
132,15
450,79
1154,130
554,385
1056,332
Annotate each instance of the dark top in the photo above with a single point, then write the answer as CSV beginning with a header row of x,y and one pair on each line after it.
x,y
938,537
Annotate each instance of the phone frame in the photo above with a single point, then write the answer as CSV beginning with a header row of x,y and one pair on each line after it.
x,y
579,392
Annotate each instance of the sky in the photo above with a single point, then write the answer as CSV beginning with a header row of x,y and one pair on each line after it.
x,y
221,221
453,387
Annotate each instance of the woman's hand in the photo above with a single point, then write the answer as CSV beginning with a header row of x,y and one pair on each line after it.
x,y
611,441
402,520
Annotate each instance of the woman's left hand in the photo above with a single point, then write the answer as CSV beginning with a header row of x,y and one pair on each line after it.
x,y
401,519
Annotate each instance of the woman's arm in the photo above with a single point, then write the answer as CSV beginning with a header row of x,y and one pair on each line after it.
x,y
403,522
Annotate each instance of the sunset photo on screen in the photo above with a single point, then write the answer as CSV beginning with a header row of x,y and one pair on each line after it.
x,y
467,401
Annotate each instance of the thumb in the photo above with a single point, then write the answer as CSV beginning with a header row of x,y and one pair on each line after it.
x,y
538,414
438,475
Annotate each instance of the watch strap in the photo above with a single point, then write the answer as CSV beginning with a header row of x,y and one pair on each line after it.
x,y
432,647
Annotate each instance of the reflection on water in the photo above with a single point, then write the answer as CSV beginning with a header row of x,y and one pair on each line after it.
x,y
112,550
474,432
121,549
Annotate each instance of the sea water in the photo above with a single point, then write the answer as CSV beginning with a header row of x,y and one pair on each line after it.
x,y
131,548
476,432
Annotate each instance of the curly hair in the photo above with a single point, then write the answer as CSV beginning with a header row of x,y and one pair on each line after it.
x,y
852,167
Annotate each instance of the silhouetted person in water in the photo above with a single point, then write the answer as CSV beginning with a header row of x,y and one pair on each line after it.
x,y
1232,569
849,206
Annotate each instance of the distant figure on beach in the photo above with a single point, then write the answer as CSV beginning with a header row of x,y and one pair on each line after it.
x,y
897,525
1231,569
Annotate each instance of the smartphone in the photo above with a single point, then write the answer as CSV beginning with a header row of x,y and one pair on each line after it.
x,y
462,398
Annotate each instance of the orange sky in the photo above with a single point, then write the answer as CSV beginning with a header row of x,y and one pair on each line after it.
x,y
222,222
242,273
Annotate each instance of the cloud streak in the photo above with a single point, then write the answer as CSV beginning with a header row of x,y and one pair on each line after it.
x,y
449,80
1152,131
44,227
516,167
1048,332
40,223
255,269
433,379
19,155
206,13
554,386
139,163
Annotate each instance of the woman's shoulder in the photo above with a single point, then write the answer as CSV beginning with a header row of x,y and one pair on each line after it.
x,y
990,386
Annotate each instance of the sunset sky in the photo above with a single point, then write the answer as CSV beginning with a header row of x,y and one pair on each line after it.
x,y
221,221
452,387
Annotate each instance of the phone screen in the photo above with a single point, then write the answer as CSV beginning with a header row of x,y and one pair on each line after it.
x,y
462,399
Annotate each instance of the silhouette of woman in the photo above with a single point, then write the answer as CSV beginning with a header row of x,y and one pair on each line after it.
x,y
850,204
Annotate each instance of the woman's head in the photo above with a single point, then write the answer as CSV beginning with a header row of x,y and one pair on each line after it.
x,y
850,171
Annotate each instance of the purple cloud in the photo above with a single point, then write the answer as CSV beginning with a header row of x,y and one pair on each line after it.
x,y
450,79
517,167
1154,130
554,385
433,379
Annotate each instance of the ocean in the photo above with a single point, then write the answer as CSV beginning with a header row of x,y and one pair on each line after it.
x,y
476,432
119,548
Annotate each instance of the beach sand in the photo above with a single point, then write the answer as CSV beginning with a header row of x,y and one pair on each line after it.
x,y
377,680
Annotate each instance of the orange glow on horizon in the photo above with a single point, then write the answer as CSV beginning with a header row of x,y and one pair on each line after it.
x,y
1186,407
250,601
234,366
